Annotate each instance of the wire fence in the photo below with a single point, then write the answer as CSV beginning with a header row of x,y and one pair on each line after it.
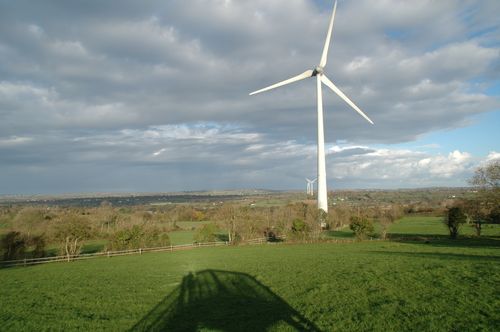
x,y
140,251
109,254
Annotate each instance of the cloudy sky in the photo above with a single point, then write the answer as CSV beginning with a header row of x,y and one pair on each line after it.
x,y
152,96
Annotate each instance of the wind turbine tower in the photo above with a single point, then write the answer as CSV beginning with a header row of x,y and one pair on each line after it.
x,y
318,72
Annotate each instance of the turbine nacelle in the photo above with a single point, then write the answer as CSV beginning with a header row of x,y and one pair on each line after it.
x,y
318,71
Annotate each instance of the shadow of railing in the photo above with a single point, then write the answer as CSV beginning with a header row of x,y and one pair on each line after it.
x,y
441,255
492,242
222,301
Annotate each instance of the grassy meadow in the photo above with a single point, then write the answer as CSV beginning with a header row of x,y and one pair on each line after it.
x,y
421,285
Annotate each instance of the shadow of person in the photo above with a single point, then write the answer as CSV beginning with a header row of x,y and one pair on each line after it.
x,y
222,301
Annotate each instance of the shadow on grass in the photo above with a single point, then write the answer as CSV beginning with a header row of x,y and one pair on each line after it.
x,y
441,255
222,237
445,241
340,234
222,301
92,248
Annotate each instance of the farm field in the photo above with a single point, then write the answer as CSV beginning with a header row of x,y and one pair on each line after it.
x,y
371,285
407,226
426,226
420,226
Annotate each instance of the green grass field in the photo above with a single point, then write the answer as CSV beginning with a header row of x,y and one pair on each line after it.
x,y
438,285
190,225
181,237
420,226
434,226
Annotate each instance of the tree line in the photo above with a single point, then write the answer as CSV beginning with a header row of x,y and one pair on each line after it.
x,y
481,209
30,230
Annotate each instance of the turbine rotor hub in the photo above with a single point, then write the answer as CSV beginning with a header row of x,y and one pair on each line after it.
x,y
318,71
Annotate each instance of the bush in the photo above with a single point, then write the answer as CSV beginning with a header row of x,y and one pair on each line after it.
x,y
71,231
454,219
30,219
299,226
138,237
361,227
206,233
494,216
13,245
39,243
271,235
300,230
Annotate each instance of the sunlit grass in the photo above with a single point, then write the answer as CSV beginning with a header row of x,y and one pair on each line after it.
x,y
181,237
373,285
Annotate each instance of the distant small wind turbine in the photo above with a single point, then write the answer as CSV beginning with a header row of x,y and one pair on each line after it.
x,y
310,186
320,77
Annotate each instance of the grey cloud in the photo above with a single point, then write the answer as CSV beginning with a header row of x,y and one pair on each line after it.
x,y
77,74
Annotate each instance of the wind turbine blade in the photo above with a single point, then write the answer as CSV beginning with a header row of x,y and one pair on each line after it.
x,y
306,74
324,56
332,86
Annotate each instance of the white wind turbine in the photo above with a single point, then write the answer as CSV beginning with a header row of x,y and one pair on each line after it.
x,y
310,186
320,77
